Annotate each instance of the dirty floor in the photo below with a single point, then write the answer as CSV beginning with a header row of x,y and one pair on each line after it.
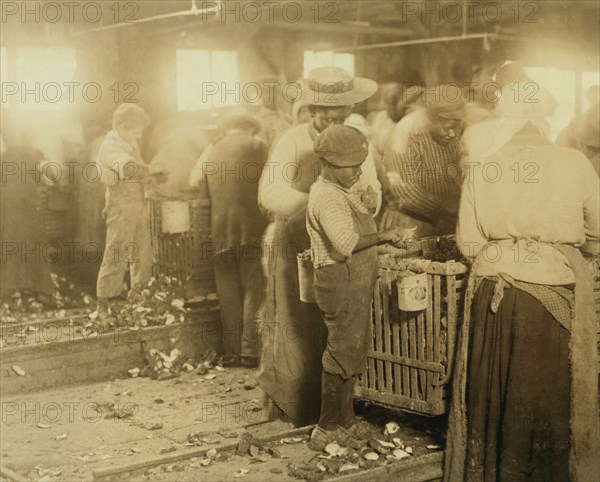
x,y
95,430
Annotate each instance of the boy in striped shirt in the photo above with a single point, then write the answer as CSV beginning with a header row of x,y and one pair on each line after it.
x,y
343,238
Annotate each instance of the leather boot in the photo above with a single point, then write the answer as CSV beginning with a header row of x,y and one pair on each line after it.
x,y
354,427
331,388
347,415
328,429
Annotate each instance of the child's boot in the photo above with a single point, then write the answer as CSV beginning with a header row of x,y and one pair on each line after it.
x,y
348,422
328,430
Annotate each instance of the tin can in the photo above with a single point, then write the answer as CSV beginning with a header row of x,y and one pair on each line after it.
x,y
413,292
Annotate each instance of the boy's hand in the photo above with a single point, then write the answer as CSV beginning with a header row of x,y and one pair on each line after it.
x,y
369,198
134,171
158,173
392,235
161,177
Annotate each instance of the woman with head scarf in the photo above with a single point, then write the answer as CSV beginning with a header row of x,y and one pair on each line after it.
x,y
292,331
525,396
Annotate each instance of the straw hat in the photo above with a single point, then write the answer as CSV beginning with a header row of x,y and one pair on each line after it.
x,y
334,87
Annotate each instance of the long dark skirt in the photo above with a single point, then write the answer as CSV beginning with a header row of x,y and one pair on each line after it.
x,y
292,333
518,390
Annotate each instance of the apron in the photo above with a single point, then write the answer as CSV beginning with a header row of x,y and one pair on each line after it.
x,y
292,334
584,422
344,292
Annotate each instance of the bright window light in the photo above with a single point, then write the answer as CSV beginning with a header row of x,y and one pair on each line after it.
x,y
41,73
3,65
326,58
206,79
588,79
561,84
4,70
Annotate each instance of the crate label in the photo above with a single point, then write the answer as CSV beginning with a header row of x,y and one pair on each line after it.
x,y
413,292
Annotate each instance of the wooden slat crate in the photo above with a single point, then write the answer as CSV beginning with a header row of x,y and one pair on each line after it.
x,y
186,256
409,350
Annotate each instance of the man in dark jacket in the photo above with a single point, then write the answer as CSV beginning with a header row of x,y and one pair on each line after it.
x,y
231,171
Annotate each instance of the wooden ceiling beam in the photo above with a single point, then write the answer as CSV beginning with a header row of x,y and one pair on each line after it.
x,y
343,27
339,28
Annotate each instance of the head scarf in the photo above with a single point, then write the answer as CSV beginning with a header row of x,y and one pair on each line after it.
x,y
522,101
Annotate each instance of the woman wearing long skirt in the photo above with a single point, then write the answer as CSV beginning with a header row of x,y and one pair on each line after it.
x,y
525,396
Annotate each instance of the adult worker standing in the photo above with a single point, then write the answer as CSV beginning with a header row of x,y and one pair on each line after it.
x,y
231,171
293,334
525,386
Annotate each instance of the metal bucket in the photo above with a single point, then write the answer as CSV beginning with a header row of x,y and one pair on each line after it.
x,y
175,217
413,292
306,277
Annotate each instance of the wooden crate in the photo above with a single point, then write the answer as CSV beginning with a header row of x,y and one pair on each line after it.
x,y
186,256
409,350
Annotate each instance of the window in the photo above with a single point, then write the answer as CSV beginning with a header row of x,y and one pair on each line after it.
x,y
40,74
206,79
3,65
325,58
561,84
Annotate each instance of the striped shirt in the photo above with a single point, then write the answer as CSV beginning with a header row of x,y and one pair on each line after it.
x,y
424,176
330,223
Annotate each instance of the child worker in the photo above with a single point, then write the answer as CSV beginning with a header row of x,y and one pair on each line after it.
x,y
343,238
128,244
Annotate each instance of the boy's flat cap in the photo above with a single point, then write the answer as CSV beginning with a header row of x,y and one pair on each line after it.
x,y
342,146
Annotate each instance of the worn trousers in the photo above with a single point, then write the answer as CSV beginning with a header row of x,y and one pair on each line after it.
x,y
344,292
128,246
241,289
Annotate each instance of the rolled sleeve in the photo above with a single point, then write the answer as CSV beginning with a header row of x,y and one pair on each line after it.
x,y
112,166
369,178
113,158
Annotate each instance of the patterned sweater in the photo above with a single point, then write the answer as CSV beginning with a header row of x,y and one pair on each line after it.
x,y
424,176
329,221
